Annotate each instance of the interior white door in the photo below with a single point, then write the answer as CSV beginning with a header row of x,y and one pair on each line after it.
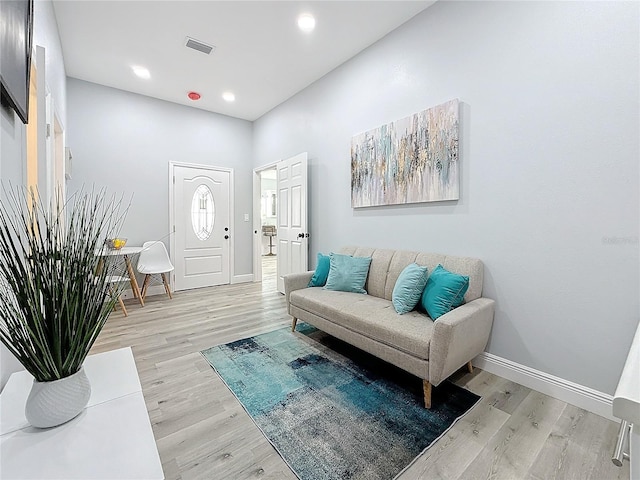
x,y
292,230
202,213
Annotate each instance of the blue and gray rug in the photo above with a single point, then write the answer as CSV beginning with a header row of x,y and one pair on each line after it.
x,y
331,410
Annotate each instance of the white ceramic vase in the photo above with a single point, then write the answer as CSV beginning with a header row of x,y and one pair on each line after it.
x,y
53,403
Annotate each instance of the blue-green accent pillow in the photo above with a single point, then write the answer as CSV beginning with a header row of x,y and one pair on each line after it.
x,y
322,271
347,273
444,292
409,287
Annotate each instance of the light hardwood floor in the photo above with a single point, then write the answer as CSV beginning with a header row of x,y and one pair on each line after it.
x,y
203,432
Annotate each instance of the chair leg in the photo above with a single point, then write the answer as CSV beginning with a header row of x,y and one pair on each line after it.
x,y
145,284
166,285
470,367
293,324
124,310
426,387
112,293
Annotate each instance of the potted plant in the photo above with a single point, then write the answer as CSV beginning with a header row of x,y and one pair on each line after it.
x,y
54,293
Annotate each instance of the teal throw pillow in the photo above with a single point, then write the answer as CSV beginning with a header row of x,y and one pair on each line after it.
x,y
347,273
322,271
444,292
409,287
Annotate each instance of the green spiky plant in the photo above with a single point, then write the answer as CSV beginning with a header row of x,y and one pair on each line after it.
x,y
54,288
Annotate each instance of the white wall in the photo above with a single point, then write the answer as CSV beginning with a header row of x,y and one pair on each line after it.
x,y
124,142
45,34
12,158
549,160
13,151
13,133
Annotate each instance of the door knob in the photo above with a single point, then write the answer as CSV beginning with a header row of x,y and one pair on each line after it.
x,y
301,235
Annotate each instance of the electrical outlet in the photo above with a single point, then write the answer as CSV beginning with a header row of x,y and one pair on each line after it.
x,y
246,217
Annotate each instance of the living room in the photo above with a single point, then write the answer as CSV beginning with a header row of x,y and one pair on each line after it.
x,y
549,188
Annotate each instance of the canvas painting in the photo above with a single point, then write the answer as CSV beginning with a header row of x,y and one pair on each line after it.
x,y
411,160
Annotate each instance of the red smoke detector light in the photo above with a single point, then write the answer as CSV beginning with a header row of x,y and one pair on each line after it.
x,y
194,95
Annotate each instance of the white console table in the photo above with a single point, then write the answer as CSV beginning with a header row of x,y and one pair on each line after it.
x,y
111,439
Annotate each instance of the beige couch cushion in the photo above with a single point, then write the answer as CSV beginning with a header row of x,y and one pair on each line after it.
x,y
370,316
386,266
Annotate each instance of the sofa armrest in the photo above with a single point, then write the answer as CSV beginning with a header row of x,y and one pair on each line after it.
x,y
293,282
459,336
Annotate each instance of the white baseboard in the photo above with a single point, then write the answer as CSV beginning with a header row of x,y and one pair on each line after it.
x,y
159,289
556,387
246,278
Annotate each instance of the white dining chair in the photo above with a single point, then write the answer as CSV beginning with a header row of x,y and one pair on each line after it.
x,y
115,280
154,260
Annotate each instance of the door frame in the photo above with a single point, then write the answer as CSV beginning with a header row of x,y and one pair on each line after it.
x,y
172,222
257,220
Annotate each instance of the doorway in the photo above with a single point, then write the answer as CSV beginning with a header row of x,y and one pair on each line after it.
x,y
289,238
268,227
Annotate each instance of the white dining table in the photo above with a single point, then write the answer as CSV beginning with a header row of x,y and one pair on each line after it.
x,y
126,253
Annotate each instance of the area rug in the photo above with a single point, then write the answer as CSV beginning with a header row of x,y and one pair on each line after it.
x,y
331,410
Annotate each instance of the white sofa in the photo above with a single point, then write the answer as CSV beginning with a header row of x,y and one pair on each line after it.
x,y
430,350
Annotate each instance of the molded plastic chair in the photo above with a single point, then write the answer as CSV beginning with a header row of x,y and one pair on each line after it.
x,y
117,279
153,260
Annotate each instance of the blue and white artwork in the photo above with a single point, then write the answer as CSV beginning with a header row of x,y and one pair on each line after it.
x,y
411,160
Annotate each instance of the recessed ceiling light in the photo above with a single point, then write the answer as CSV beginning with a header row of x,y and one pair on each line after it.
x,y
306,22
228,96
141,72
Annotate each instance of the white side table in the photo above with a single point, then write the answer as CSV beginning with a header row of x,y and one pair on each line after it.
x,y
111,439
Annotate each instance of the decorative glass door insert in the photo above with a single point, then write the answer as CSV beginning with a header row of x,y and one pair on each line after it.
x,y
202,212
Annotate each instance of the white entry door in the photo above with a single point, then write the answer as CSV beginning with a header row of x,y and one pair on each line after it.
x,y
292,230
202,214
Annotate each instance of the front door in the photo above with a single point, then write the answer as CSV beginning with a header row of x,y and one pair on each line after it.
x,y
201,212
292,217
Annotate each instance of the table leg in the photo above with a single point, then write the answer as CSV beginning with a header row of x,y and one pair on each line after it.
x,y
100,266
270,246
132,279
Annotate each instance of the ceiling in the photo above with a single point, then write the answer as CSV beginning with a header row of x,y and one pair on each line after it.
x,y
261,55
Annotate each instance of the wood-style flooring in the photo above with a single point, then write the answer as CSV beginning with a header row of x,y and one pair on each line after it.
x,y
202,432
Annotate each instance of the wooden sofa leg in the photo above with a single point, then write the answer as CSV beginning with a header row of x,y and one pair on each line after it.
x,y
426,386
293,324
470,367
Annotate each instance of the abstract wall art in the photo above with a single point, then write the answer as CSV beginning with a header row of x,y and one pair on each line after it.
x,y
411,160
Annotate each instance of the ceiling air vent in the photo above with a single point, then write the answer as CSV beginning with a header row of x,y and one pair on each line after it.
x,y
199,46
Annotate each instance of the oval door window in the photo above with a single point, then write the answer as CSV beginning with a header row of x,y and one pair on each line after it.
x,y
202,212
